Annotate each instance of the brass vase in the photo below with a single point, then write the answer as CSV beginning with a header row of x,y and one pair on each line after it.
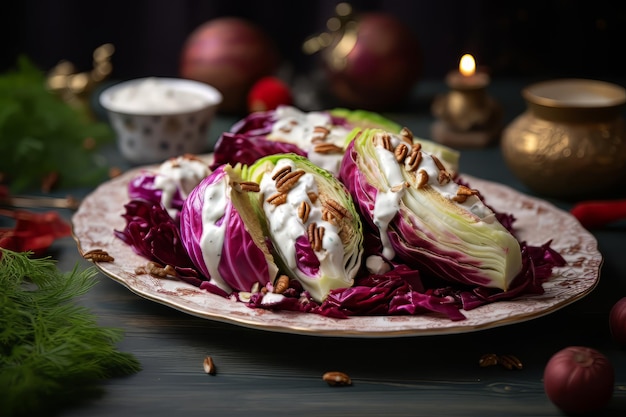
x,y
571,140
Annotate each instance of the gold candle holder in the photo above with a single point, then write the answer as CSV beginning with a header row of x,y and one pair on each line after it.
x,y
466,116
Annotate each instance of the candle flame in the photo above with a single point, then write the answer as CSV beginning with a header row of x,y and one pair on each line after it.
x,y
467,65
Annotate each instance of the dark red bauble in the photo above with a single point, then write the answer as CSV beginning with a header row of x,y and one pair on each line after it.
x,y
231,54
375,64
579,380
617,322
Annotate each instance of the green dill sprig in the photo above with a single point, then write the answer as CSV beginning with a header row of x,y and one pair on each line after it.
x,y
52,350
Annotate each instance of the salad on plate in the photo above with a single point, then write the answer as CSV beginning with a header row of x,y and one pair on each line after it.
x,y
386,226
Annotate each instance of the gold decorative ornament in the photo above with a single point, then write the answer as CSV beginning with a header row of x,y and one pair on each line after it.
x,y
75,87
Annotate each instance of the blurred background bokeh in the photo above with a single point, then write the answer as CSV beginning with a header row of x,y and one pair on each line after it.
x,y
516,38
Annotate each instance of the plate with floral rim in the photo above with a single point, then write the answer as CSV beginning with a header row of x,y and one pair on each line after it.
x,y
537,221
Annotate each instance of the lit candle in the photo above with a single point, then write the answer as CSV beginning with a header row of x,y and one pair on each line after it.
x,y
467,78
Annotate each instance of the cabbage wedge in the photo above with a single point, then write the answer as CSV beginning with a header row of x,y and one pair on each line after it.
x,y
311,220
318,135
422,216
222,234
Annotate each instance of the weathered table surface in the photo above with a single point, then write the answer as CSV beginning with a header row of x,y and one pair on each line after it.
x,y
263,373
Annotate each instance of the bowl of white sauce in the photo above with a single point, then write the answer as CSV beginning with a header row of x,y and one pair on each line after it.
x,y
157,118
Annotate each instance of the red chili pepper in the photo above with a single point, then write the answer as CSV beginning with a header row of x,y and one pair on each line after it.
x,y
598,213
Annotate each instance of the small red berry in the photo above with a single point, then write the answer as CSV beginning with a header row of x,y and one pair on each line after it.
x,y
267,94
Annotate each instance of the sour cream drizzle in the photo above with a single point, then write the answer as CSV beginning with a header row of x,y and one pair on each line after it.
x,y
387,201
212,239
179,174
297,127
286,225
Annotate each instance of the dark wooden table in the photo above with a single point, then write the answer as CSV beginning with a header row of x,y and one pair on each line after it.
x,y
261,373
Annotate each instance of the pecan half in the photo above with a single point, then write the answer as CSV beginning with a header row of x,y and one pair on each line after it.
x,y
277,199
159,271
438,163
282,283
285,182
98,255
401,151
320,133
315,235
327,148
303,211
319,237
399,187
510,362
414,159
406,135
336,209
281,172
311,232
443,177
336,378
209,365
384,140
327,216
246,186
462,193
422,178
488,359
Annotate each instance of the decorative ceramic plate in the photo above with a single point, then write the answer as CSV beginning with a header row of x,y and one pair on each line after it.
x,y
537,222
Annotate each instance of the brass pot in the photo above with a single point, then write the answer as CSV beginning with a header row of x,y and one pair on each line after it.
x,y
571,140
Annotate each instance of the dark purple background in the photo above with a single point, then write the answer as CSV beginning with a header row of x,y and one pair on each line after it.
x,y
547,38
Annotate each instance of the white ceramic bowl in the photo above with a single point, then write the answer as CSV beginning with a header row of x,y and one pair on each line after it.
x,y
158,118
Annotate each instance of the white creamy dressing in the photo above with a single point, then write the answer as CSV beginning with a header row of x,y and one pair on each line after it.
x,y
297,127
387,202
181,173
212,239
377,265
286,225
155,95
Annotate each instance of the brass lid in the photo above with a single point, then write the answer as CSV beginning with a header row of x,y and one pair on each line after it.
x,y
575,100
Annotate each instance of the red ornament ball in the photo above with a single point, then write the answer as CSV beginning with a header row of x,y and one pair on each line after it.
x,y
231,54
617,322
375,64
579,380
267,94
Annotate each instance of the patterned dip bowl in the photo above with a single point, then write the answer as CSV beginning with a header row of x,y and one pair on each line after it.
x,y
159,118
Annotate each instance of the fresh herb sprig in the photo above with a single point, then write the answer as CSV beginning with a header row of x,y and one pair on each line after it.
x,y
52,350
41,135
